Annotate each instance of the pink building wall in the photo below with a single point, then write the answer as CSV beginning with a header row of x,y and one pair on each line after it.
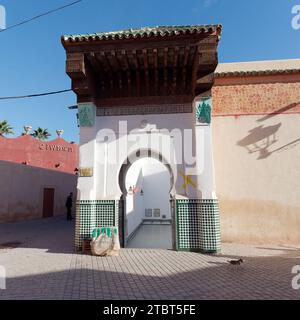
x,y
28,166
57,154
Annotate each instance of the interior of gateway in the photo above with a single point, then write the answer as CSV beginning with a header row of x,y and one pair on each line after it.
x,y
148,220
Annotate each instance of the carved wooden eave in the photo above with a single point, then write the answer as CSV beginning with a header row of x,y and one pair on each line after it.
x,y
160,65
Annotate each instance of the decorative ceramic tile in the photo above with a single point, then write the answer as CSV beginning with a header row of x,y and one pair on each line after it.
x,y
147,109
86,114
198,225
203,111
93,214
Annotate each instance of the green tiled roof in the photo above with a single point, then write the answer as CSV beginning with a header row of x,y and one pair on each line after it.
x,y
258,68
146,32
255,73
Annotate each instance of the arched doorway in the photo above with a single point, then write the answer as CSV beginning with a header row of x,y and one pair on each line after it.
x,y
147,210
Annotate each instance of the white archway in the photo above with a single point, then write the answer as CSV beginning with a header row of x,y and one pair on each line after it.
x,y
147,212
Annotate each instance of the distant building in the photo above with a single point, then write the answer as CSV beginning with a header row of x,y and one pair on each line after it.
x,y
36,177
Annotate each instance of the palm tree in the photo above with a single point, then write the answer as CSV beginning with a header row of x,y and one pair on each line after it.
x,y
41,134
5,128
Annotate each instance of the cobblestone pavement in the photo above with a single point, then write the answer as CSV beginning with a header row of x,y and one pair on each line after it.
x,y
44,266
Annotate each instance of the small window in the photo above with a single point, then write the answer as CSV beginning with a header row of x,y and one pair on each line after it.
x,y
156,213
148,213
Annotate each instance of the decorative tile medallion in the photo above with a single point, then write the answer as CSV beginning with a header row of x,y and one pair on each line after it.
x,y
203,111
86,115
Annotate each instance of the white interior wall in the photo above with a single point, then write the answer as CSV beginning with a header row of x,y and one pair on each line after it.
x,y
134,202
156,187
153,178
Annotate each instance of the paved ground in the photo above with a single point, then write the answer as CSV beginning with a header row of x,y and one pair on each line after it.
x,y
152,236
44,266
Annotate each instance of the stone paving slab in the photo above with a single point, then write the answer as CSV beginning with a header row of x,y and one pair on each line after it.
x,y
44,266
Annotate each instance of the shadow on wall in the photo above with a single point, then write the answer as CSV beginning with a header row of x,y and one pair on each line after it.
x,y
261,138
279,111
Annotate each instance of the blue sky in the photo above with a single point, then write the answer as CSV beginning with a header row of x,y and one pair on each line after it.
x,y
33,60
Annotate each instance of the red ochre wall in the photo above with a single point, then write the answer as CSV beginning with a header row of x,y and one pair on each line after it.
x,y
256,141
42,154
22,186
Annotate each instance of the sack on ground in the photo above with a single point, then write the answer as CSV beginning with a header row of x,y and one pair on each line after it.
x,y
101,245
114,251
116,242
104,245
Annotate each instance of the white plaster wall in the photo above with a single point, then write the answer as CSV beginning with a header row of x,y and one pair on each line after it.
x,y
106,146
134,202
123,145
156,187
205,163
21,195
153,178
258,191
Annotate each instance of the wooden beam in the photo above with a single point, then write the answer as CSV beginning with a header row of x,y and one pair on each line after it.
x,y
80,86
133,55
204,83
156,78
195,68
75,65
118,63
108,69
117,69
134,66
209,78
125,60
208,58
146,68
166,50
95,63
175,66
185,66
103,61
126,67
137,72
98,70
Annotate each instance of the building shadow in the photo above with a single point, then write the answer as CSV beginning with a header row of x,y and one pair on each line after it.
x,y
54,235
260,139
154,276
279,111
